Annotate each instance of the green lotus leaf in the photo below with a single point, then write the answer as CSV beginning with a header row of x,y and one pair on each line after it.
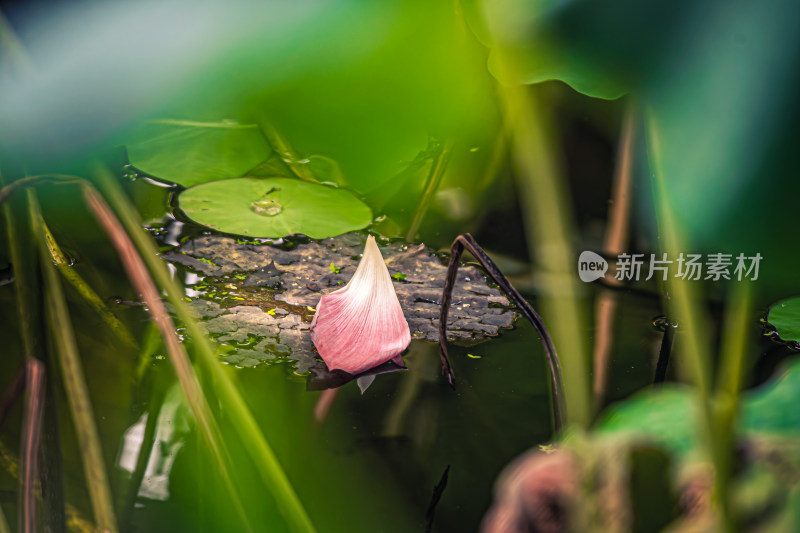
x,y
189,152
274,207
785,316
669,416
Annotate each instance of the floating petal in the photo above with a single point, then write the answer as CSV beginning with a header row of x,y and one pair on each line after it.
x,y
361,325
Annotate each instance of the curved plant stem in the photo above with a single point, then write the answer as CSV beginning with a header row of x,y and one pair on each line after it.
x,y
140,278
30,181
61,261
75,386
466,240
31,437
432,185
227,393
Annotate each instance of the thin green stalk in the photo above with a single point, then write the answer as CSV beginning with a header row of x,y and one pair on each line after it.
x,y
83,288
727,395
498,155
432,185
226,391
23,261
548,224
75,386
287,154
131,490
684,305
684,300
52,462
734,341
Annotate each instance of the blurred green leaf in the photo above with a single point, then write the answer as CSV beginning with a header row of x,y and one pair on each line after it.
x,y
189,152
718,82
274,207
669,415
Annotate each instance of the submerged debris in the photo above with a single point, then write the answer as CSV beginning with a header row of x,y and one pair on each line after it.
x,y
260,298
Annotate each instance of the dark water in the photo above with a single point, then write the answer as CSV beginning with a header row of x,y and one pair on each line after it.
x,y
370,465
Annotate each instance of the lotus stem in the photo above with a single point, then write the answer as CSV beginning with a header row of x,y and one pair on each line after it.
x,y
466,240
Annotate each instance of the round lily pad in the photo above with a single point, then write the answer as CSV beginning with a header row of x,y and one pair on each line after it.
x,y
785,316
274,207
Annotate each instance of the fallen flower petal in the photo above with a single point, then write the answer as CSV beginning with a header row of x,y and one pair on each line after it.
x,y
361,325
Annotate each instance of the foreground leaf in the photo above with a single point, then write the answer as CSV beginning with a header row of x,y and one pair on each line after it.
x,y
188,152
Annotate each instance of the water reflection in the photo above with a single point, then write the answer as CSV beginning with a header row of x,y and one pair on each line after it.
x,y
173,424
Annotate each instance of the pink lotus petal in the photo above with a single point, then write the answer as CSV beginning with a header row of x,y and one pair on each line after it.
x,y
361,325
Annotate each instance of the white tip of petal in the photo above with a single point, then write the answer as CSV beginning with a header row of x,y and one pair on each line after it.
x,y
361,325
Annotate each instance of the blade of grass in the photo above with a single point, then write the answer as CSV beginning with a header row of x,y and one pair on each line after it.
x,y
684,305
140,278
432,185
31,437
75,386
287,154
726,399
614,243
51,460
9,463
143,458
23,262
83,288
242,419
4,527
548,229
12,394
